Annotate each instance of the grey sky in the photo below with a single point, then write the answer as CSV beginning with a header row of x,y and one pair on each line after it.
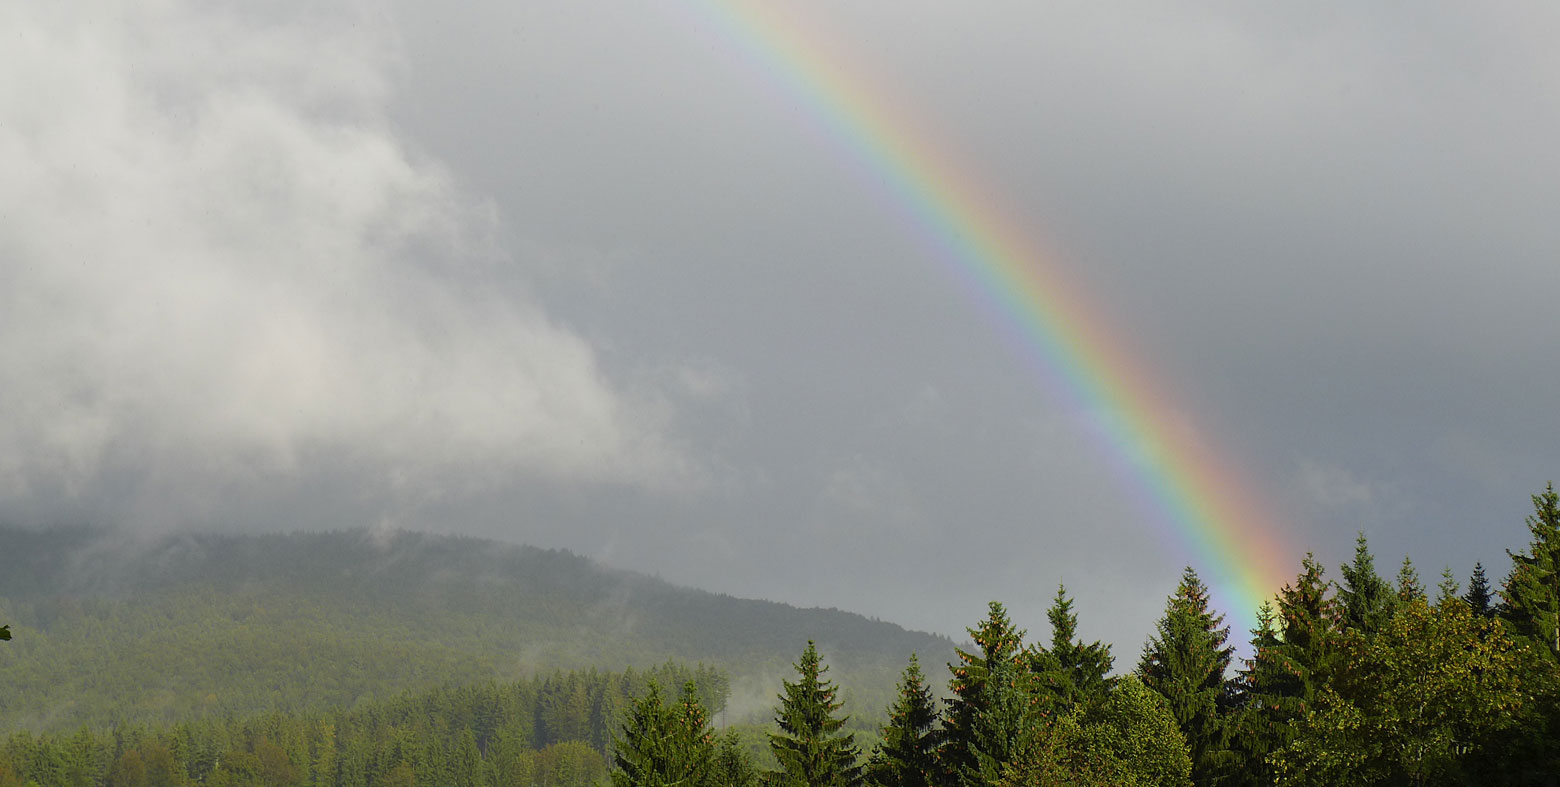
x,y
581,275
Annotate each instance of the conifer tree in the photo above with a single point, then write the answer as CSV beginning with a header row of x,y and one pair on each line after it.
x,y
1532,593
1005,730
1409,588
664,746
1185,662
1447,589
733,768
1072,671
1478,595
908,755
1365,598
810,748
1296,653
999,643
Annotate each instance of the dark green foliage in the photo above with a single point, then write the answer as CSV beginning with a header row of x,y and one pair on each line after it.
x,y
907,756
733,767
1295,654
199,626
1001,646
1531,599
1185,662
1070,671
5,632
663,746
810,747
1478,596
1366,600
1127,738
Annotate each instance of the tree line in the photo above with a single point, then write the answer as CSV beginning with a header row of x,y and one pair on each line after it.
x,y
1361,681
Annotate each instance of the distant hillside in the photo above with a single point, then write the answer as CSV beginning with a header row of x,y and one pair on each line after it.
x,y
107,627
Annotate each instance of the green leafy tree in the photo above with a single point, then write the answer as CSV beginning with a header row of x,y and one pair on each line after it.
x,y
1128,738
1531,599
1185,662
1366,600
1415,705
664,745
907,756
810,747
1479,598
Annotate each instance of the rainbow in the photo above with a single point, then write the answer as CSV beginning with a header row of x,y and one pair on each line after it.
x,y
1208,509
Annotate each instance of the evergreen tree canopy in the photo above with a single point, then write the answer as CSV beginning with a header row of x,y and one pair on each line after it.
x,y
999,643
1447,589
664,746
1478,596
1531,599
1409,588
810,748
1366,599
907,756
1185,662
1072,671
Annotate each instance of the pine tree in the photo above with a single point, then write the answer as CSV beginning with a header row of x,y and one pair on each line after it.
x,y
1005,730
1185,662
1409,588
733,767
908,755
1531,599
1072,671
1366,599
1478,595
810,748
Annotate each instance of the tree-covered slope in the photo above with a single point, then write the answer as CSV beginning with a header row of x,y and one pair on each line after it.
x,y
107,627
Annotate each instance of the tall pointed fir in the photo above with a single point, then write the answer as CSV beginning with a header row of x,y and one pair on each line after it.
x,y
810,748
1409,588
1365,599
1296,653
1447,589
907,757
1531,599
664,745
1478,596
1072,672
1185,662
999,643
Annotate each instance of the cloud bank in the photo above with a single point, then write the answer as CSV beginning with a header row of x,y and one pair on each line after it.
x,y
220,270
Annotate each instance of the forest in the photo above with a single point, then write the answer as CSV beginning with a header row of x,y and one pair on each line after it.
x,y
1354,679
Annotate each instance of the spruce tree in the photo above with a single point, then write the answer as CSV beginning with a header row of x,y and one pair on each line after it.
x,y
810,748
1531,599
1365,598
999,643
1072,671
1409,588
1478,595
1185,662
1447,589
664,746
907,756
1005,730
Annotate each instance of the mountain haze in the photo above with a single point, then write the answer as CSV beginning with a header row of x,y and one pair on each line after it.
x,y
110,628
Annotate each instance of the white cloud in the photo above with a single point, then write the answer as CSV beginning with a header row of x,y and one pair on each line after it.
x,y
217,262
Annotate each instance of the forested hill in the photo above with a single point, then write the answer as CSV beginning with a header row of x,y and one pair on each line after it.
x,y
106,627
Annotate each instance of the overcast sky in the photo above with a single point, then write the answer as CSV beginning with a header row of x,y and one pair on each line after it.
x,y
587,275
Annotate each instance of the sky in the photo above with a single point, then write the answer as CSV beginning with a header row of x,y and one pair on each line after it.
x,y
615,278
